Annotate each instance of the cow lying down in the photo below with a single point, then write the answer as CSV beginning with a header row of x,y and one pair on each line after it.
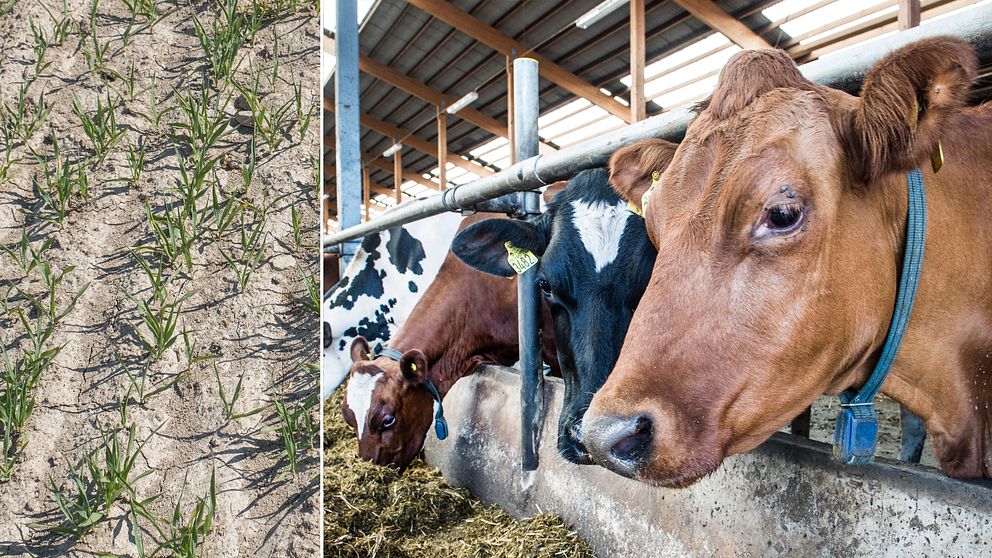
x,y
780,226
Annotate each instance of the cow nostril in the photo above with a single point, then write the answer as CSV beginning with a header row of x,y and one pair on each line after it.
x,y
634,445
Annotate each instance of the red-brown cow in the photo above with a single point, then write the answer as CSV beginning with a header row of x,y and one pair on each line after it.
x,y
464,319
780,227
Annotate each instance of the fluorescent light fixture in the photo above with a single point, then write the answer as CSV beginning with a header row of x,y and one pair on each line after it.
x,y
598,13
463,102
393,149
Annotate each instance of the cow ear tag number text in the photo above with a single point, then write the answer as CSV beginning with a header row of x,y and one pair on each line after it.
x,y
520,260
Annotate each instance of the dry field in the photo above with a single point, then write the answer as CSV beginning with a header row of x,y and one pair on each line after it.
x,y
158,294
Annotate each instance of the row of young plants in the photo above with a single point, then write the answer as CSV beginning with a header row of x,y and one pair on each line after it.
x,y
195,214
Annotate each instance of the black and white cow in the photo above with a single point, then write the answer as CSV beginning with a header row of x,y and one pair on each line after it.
x,y
594,265
380,287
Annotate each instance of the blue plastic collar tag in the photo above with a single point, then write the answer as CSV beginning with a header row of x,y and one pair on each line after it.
x,y
856,434
440,425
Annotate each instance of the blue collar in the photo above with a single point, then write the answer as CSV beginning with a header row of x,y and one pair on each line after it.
x,y
856,433
440,425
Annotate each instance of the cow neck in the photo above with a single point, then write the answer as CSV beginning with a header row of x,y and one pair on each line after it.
x,y
451,335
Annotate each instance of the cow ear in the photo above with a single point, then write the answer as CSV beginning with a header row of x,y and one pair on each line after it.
x,y
360,349
413,364
483,244
632,168
907,101
349,415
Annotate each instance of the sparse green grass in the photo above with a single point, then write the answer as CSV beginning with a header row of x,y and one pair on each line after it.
x,y
253,245
62,183
40,48
24,254
161,320
312,300
222,39
94,51
185,532
298,429
173,239
101,128
27,115
136,160
108,474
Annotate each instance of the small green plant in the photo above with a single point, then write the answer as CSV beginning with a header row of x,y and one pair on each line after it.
x,y
22,119
222,40
253,243
136,160
109,475
302,118
312,300
187,529
155,111
225,209
248,170
161,321
230,400
63,182
95,52
294,219
298,429
173,240
41,44
60,25
268,123
26,256
101,128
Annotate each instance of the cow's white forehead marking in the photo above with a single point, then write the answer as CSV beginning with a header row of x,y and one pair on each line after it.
x,y
600,227
360,388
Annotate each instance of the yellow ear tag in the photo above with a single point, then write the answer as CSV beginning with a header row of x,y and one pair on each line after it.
x,y
370,356
655,176
413,367
937,158
520,260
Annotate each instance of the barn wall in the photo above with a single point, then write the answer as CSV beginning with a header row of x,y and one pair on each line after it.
x,y
785,498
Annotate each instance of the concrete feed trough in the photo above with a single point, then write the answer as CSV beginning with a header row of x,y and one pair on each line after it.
x,y
787,497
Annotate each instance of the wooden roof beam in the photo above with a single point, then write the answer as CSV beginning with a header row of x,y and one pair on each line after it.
x,y
413,141
712,15
500,42
377,162
429,94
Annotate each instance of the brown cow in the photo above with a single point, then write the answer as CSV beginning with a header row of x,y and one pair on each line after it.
x,y
780,229
464,319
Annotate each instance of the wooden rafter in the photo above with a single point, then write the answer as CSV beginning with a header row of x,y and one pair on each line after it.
x,y
379,163
712,15
412,140
429,94
504,44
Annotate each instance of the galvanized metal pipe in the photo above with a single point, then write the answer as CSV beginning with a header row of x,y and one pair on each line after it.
x,y
525,112
346,124
843,70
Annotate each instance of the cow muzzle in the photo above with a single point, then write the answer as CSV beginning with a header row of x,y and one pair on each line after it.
x,y
621,444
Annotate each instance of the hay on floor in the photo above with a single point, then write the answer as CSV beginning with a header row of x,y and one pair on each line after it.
x,y
372,511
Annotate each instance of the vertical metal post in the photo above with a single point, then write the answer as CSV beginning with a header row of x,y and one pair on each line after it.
x,y
509,107
398,174
366,191
525,113
346,126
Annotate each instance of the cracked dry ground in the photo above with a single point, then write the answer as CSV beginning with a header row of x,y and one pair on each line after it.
x,y
265,332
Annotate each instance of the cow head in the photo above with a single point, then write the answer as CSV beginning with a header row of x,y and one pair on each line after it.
x,y
388,405
779,227
594,264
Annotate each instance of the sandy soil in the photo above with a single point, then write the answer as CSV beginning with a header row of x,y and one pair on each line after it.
x,y
264,333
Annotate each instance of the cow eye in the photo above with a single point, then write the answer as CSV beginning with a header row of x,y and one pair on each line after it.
x,y
784,217
388,421
545,287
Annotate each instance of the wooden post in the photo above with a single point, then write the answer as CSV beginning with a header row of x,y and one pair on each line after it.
x,y
326,213
366,191
637,107
909,14
398,174
509,107
442,146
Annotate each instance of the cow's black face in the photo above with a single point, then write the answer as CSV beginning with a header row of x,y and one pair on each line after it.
x,y
595,262
596,266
